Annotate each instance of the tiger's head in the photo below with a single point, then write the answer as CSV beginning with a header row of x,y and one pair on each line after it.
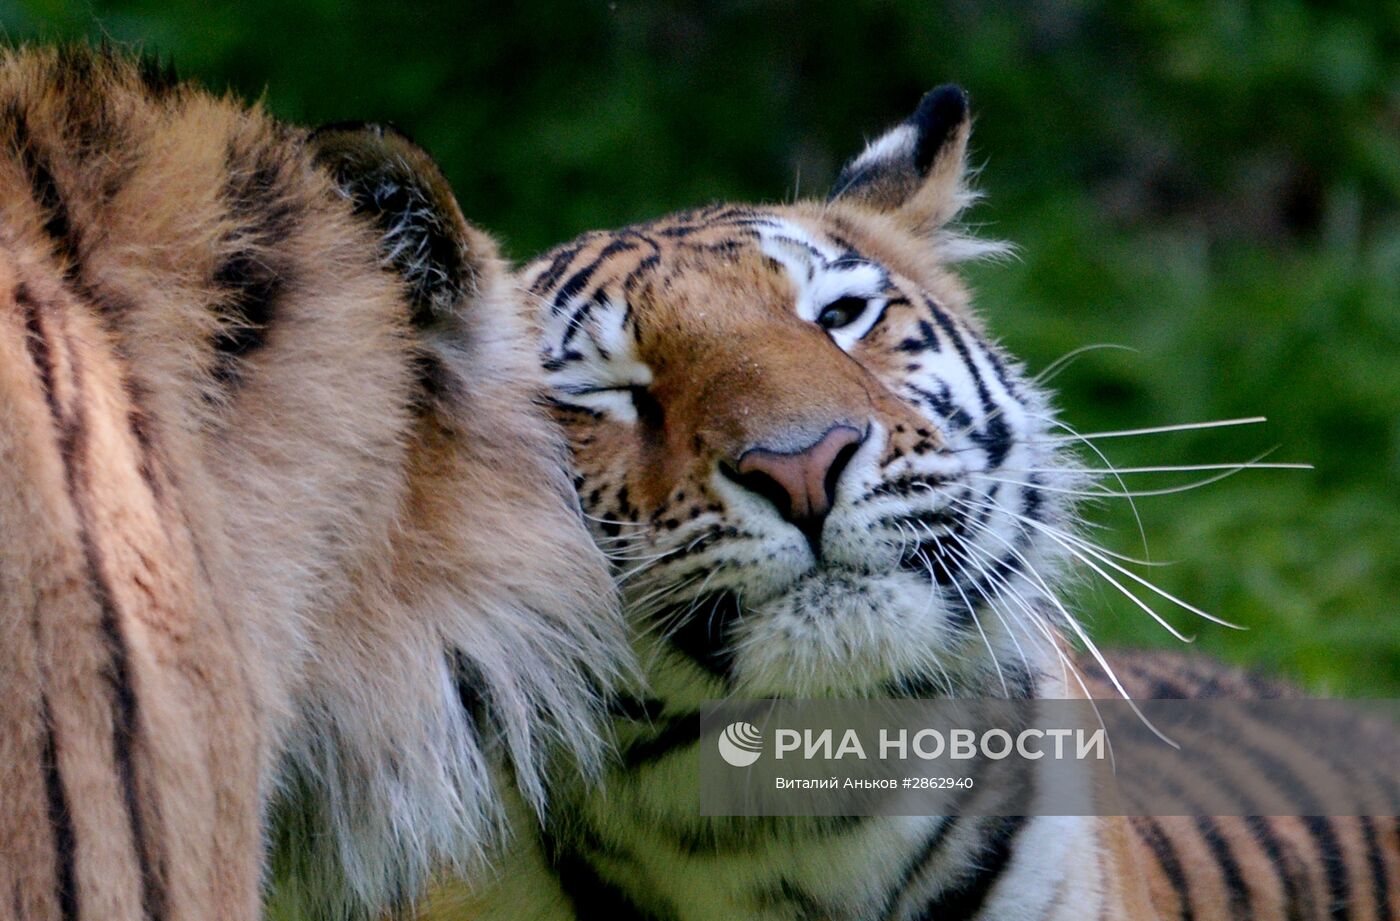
x,y
814,469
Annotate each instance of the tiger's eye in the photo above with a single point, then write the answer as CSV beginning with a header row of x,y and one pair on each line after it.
x,y
841,312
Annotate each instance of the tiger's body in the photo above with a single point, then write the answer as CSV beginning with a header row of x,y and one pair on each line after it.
x,y
819,477
266,412
640,851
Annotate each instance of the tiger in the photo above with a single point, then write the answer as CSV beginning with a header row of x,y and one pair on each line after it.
x,y
293,578
818,475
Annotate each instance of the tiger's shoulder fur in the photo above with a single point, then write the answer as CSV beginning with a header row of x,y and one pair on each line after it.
x,y
284,530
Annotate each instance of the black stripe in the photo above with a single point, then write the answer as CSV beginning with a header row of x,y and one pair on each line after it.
x,y
1157,683
1229,867
1329,851
57,225
593,898
580,316
925,341
559,262
1164,852
640,270
1323,828
1319,827
966,899
260,197
704,635
574,285
724,248
126,715
46,192
921,685
60,819
72,434
676,732
1285,863
995,436
60,816
66,239
474,696
247,310
37,344
1375,860
792,901
1003,374
634,707
930,846
942,404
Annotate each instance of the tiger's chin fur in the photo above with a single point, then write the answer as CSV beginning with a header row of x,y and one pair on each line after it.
x,y
286,535
818,475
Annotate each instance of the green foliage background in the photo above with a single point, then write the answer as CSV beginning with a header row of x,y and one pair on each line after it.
x,y
1212,184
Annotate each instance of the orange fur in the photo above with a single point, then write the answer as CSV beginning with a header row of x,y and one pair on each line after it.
x,y
266,533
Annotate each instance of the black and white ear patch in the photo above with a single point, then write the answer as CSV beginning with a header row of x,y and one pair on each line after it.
x,y
890,170
395,182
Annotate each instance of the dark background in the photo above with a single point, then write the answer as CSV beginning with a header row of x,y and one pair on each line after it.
x,y
1213,185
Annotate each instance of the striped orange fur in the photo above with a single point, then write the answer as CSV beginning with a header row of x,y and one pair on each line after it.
x,y
285,534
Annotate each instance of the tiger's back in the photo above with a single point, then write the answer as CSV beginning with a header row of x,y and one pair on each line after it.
x,y
132,759
259,401
1260,866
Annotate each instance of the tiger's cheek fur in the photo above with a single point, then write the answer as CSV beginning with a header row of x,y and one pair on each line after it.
x,y
623,486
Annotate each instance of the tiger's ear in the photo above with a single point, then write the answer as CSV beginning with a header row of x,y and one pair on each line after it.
x,y
424,236
916,170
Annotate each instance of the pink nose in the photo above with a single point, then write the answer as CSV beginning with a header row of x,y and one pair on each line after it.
x,y
802,483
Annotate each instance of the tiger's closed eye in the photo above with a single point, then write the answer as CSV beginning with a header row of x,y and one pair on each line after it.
x,y
841,312
597,399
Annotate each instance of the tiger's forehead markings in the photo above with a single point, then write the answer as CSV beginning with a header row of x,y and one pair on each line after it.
x,y
823,268
575,275
596,291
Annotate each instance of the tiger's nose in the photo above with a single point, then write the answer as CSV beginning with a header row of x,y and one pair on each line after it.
x,y
801,484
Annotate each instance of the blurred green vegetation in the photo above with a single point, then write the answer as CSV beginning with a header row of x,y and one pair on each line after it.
x,y
1212,184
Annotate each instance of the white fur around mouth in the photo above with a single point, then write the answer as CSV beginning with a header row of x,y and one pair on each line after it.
x,y
835,630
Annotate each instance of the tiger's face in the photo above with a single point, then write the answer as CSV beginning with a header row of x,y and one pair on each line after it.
x,y
813,469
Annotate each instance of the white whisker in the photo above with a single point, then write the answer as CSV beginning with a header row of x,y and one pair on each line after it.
x,y
1159,429
615,522
1083,550
967,547
1050,371
1166,468
1083,637
1105,493
1137,518
1004,588
972,612
1101,555
1151,612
